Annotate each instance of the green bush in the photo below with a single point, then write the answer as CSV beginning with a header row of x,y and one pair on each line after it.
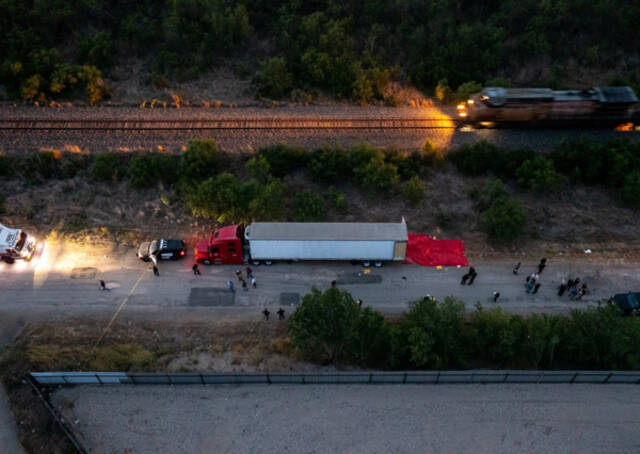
x,y
378,175
338,200
467,89
147,169
8,165
413,190
629,192
201,160
308,206
268,205
538,174
543,336
329,327
96,49
329,164
274,80
109,166
259,168
431,336
496,334
40,166
223,198
283,159
443,92
504,220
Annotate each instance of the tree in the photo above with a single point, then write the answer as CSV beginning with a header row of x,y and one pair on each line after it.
x,y
324,327
538,174
413,190
629,193
275,80
200,161
497,334
378,174
467,89
268,205
433,334
504,219
259,168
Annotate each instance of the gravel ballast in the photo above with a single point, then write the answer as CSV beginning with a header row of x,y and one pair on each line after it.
x,y
355,419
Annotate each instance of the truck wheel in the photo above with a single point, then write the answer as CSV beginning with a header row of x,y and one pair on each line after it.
x,y
255,262
377,264
9,260
366,264
268,262
207,262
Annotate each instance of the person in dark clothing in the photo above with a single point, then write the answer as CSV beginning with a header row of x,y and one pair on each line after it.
x,y
536,287
334,283
464,280
249,272
471,271
496,295
562,288
569,284
516,268
245,287
103,286
541,265
156,272
280,314
473,276
196,270
239,274
359,301
266,313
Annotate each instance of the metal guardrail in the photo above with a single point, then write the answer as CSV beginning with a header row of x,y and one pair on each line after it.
x,y
408,377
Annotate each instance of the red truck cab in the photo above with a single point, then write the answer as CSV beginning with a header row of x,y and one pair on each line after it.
x,y
225,247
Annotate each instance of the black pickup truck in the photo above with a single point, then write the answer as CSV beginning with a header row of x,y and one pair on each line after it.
x,y
162,250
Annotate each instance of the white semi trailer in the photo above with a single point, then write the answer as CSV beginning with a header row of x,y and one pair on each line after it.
x,y
366,242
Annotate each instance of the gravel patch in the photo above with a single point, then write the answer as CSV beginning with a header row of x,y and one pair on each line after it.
x,y
355,419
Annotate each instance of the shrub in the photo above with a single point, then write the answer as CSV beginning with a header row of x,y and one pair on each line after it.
x,y
96,49
467,89
496,335
330,327
543,335
259,168
329,164
109,166
274,80
40,166
477,159
283,159
414,190
200,161
268,205
308,206
377,174
629,192
443,92
338,199
431,335
504,220
147,169
8,165
538,174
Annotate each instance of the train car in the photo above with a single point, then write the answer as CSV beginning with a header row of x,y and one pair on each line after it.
x,y
597,106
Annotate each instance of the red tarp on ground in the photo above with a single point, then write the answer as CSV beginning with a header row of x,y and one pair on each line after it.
x,y
425,251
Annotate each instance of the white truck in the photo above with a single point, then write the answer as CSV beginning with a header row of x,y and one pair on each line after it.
x,y
16,244
366,242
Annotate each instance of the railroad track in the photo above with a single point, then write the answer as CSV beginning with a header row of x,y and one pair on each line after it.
x,y
227,124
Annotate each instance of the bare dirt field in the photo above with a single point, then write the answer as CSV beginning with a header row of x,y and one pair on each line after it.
x,y
355,419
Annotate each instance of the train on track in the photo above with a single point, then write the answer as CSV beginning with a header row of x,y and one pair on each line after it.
x,y
595,107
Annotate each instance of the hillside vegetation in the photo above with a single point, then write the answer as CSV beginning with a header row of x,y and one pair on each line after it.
x,y
349,49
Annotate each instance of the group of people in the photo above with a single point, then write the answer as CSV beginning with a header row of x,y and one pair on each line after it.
x,y
573,287
266,314
532,284
242,280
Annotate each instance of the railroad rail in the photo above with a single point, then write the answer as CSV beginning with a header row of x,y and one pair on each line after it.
x,y
228,124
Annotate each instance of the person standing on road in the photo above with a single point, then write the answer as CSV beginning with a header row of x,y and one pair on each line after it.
x,y
230,286
536,287
244,285
103,286
562,288
239,274
266,313
359,301
280,314
253,282
542,265
334,283
249,272
473,276
529,285
516,268
196,270
496,295
156,272
464,280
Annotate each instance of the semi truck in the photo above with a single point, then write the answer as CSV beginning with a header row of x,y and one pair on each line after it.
x,y
370,243
16,244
